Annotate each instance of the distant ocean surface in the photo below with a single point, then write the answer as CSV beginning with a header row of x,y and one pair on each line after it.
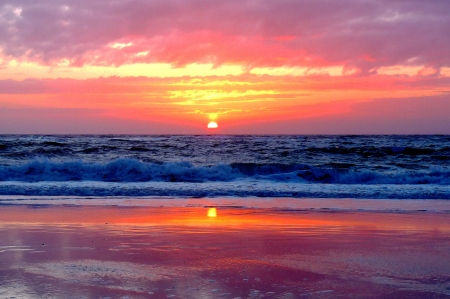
x,y
384,167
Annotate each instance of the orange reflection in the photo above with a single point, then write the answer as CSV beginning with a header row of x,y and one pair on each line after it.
x,y
230,218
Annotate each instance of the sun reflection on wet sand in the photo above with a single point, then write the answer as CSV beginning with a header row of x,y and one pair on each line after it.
x,y
236,218
191,252
212,212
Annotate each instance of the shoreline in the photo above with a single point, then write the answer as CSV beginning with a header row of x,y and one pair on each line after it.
x,y
206,251
267,203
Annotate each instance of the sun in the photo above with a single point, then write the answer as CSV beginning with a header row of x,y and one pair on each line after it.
x,y
212,125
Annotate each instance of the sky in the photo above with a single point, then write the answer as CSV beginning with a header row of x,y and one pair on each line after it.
x,y
252,66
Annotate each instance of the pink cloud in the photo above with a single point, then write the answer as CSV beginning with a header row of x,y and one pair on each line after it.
x,y
364,34
139,85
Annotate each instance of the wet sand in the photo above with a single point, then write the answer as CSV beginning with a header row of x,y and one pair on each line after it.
x,y
57,251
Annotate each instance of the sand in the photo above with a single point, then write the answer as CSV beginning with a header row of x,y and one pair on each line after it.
x,y
89,251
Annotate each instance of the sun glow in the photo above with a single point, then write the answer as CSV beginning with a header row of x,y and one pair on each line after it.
x,y
213,125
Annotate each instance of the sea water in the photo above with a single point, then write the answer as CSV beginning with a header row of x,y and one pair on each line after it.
x,y
378,167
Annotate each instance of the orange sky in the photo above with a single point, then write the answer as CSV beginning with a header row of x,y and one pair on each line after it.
x,y
158,67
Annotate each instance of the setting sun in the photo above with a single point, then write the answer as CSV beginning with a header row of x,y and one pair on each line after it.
x,y
212,125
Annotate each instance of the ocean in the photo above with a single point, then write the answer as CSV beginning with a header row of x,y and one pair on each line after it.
x,y
300,166
218,216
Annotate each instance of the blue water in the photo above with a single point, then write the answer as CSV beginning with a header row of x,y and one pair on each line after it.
x,y
401,167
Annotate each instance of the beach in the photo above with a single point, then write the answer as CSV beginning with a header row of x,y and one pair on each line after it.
x,y
224,248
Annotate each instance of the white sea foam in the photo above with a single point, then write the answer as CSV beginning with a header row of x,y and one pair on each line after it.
x,y
241,188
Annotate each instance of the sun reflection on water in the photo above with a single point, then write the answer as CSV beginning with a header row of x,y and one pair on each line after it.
x,y
212,212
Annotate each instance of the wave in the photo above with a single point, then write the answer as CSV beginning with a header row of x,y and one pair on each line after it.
x,y
380,151
120,170
53,143
130,170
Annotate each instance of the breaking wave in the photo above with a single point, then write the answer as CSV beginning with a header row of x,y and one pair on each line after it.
x,y
131,170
